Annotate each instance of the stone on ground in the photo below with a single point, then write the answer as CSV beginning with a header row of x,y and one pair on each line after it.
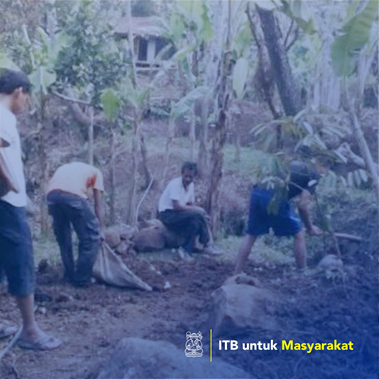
x,y
241,307
330,263
112,237
150,238
153,235
139,358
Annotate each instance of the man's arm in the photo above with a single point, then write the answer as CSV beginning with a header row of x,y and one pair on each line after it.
x,y
99,210
303,207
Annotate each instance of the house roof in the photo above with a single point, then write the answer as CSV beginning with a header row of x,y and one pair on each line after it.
x,y
140,26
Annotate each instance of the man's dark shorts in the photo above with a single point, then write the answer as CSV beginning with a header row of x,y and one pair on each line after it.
x,y
284,222
16,250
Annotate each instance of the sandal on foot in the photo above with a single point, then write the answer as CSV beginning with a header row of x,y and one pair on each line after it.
x,y
7,330
44,343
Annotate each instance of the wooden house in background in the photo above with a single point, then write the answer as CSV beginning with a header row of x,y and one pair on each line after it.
x,y
149,40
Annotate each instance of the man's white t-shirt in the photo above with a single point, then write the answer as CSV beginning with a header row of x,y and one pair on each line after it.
x,y
176,191
12,157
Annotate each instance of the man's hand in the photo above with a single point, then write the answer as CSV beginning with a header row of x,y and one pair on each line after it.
x,y
315,231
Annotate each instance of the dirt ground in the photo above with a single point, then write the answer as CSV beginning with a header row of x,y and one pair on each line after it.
x,y
91,321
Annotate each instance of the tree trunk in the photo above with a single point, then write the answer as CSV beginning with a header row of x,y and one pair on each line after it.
x,y
132,193
90,137
237,143
45,225
144,161
264,71
288,92
223,96
112,178
192,137
202,161
170,138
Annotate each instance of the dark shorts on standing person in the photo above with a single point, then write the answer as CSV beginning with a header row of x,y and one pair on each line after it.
x,y
16,250
284,222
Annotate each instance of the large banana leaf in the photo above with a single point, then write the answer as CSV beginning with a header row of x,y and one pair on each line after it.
x,y
42,79
354,36
185,104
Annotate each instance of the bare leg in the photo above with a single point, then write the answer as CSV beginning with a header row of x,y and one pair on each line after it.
x,y
30,329
244,252
300,250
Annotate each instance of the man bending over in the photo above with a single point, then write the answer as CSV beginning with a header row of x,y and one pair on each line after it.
x,y
284,222
67,198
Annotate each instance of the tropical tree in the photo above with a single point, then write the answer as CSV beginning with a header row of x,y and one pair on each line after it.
x,y
353,39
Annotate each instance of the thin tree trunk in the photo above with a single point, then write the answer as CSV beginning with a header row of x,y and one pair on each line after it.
x,y
132,191
237,153
90,137
144,161
288,92
192,137
170,138
45,227
112,178
218,141
202,161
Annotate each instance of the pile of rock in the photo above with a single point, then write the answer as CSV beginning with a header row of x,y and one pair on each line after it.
x,y
119,238
150,235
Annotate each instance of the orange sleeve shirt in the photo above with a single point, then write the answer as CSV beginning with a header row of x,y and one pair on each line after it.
x,y
76,178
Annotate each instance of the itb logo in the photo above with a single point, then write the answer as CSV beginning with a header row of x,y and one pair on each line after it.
x,y
194,347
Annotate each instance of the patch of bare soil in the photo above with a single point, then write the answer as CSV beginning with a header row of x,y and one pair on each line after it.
x,y
91,321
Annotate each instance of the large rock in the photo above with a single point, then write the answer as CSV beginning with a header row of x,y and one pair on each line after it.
x,y
115,235
138,358
241,307
150,238
153,235
112,237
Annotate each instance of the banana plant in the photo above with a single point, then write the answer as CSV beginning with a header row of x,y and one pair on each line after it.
x,y
43,51
353,37
180,108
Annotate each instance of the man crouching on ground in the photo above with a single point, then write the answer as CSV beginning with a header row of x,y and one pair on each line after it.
x,y
179,214
16,249
67,198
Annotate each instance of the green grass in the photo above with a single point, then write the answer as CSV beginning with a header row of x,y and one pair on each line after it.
x,y
277,252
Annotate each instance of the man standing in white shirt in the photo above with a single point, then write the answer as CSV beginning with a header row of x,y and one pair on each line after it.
x,y
178,212
16,251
